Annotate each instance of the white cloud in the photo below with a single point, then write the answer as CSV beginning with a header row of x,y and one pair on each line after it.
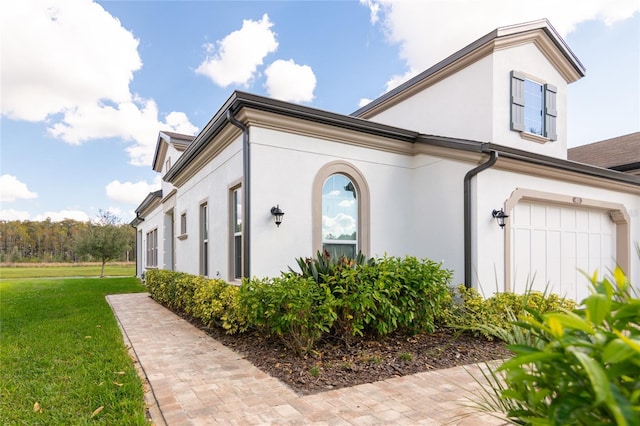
x,y
341,224
61,54
11,189
290,82
131,192
12,214
374,7
61,215
346,203
236,57
429,31
70,64
364,101
135,121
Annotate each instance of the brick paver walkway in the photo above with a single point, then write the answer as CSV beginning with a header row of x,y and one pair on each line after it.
x,y
195,380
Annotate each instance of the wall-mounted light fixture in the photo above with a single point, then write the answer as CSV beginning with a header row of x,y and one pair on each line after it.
x,y
500,216
277,214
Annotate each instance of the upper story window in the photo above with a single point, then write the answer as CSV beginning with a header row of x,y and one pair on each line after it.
x,y
533,106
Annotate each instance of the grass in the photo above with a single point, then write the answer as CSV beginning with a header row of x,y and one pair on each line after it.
x,y
62,355
43,270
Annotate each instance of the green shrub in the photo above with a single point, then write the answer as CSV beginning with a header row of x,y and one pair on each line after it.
x,y
418,294
212,301
381,296
584,369
296,309
473,312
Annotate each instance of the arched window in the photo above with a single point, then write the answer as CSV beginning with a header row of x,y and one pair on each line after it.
x,y
339,217
340,210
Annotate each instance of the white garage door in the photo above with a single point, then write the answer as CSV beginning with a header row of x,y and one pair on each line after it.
x,y
552,243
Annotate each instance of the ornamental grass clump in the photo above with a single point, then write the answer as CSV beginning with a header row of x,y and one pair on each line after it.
x,y
584,367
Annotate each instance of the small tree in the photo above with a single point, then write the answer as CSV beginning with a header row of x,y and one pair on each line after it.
x,y
104,239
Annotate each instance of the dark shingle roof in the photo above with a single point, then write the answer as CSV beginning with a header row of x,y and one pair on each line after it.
x,y
620,153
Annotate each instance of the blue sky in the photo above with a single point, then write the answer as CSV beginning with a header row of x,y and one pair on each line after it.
x,y
86,86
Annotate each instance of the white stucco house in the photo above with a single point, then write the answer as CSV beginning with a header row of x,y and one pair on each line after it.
x,y
420,171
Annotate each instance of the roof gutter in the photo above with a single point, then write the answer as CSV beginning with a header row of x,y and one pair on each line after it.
x,y
246,192
467,210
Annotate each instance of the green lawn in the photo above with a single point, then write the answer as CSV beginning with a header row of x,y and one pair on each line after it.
x,y
46,271
62,356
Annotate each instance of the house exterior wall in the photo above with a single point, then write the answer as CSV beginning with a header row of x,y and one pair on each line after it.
x,y
496,187
474,103
153,220
438,212
284,166
209,185
459,106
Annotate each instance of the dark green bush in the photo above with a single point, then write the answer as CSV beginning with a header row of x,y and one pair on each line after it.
x,y
381,296
342,297
294,308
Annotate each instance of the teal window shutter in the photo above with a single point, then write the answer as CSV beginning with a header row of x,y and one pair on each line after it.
x,y
550,112
517,101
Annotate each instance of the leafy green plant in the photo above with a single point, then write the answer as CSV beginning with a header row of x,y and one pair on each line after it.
x,y
294,308
212,301
405,356
492,316
324,266
584,367
314,371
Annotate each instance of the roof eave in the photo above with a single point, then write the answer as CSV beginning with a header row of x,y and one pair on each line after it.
x,y
483,44
239,100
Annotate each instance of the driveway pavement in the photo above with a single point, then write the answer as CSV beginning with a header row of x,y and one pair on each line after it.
x,y
195,380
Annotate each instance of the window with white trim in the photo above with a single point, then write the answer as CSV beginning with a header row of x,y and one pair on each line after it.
x,y
533,106
152,248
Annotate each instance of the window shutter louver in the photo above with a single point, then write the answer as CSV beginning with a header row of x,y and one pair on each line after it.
x,y
550,112
517,101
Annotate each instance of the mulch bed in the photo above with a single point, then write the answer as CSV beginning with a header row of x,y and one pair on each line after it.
x,y
333,365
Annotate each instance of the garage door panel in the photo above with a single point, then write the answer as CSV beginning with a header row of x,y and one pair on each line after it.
x,y
538,216
595,221
568,218
553,217
557,242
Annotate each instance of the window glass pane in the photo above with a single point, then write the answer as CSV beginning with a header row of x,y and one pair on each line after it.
x,y
183,223
205,222
339,215
337,251
237,256
533,111
237,210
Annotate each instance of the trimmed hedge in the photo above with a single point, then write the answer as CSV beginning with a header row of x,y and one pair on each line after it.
x,y
212,301
339,297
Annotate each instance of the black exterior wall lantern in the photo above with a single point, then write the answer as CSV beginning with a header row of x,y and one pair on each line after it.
x,y
277,214
500,216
